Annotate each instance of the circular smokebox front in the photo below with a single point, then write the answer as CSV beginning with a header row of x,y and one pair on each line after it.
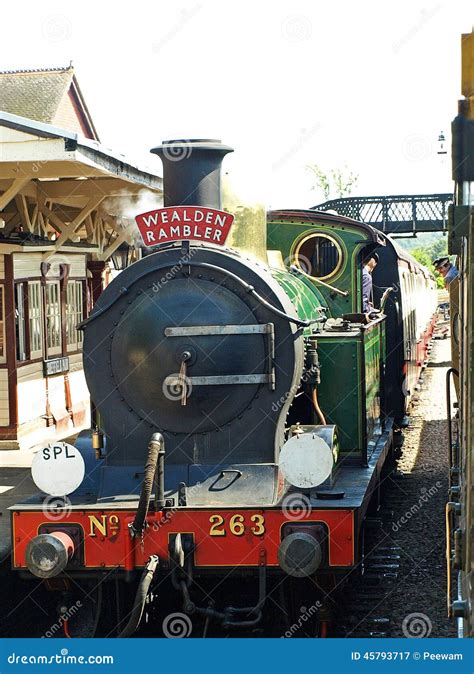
x,y
147,364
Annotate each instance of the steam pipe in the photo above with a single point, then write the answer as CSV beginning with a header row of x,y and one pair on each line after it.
x,y
156,451
317,408
314,369
160,477
140,597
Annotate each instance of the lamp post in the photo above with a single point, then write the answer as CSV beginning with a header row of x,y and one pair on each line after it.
x,y
121,258
441,144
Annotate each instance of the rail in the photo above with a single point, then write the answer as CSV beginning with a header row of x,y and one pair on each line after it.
x,y
396,214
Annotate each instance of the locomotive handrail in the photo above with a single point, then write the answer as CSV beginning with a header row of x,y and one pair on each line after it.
x,y
450,371
385,296
452,509
249,288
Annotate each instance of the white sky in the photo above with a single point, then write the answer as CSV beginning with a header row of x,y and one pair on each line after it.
x,y
369,83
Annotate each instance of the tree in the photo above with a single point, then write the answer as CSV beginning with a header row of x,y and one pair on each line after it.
x,y
422,256
425,256
439,248
334,183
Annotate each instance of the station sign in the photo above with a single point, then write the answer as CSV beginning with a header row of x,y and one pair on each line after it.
x,y
54,366
184,223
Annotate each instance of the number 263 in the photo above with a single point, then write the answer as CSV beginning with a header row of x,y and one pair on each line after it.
x,y
236,525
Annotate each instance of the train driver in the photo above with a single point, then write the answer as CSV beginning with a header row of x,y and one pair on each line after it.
x,y
448,271
368,265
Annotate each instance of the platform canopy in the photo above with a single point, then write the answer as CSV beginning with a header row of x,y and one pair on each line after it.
x,y
60,186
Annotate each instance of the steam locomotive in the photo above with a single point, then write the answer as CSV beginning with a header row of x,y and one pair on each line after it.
x,y
246,406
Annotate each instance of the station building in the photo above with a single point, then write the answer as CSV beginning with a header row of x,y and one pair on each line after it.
x,y
63,227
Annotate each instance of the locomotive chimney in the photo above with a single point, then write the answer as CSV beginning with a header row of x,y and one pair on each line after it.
x,y
192,171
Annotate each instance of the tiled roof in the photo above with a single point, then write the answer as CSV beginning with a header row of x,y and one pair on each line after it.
x,y
36,70
40,95
35,94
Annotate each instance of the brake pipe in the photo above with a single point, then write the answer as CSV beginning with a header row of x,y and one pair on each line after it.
x,y
140,598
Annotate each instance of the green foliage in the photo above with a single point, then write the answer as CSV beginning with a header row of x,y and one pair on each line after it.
x,y
427,253
439,248
335,183
422,256
424,240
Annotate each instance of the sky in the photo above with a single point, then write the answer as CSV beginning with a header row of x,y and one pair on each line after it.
x,y
364,85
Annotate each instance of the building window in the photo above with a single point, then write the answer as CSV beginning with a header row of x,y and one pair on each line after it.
x,y
74,315
34,318
2,324
53,318
20,322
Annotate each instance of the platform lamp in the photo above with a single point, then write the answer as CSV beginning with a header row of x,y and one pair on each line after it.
x,y
441,144
121,258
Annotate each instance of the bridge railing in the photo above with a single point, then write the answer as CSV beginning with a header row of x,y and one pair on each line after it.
x,y
396,214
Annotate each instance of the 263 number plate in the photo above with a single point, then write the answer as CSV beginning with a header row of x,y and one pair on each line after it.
x,y
237,525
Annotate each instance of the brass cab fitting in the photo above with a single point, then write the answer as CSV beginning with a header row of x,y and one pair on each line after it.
x,y
296,429
97,442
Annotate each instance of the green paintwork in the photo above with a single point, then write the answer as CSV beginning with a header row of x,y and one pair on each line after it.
x,y
349,393
304,295
350,383
373,356
340,394
284,235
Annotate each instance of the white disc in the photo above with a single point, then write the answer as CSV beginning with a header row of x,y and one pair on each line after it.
x,y
306,460
58,469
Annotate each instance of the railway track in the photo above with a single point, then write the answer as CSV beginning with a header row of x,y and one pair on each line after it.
x,y
401,591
